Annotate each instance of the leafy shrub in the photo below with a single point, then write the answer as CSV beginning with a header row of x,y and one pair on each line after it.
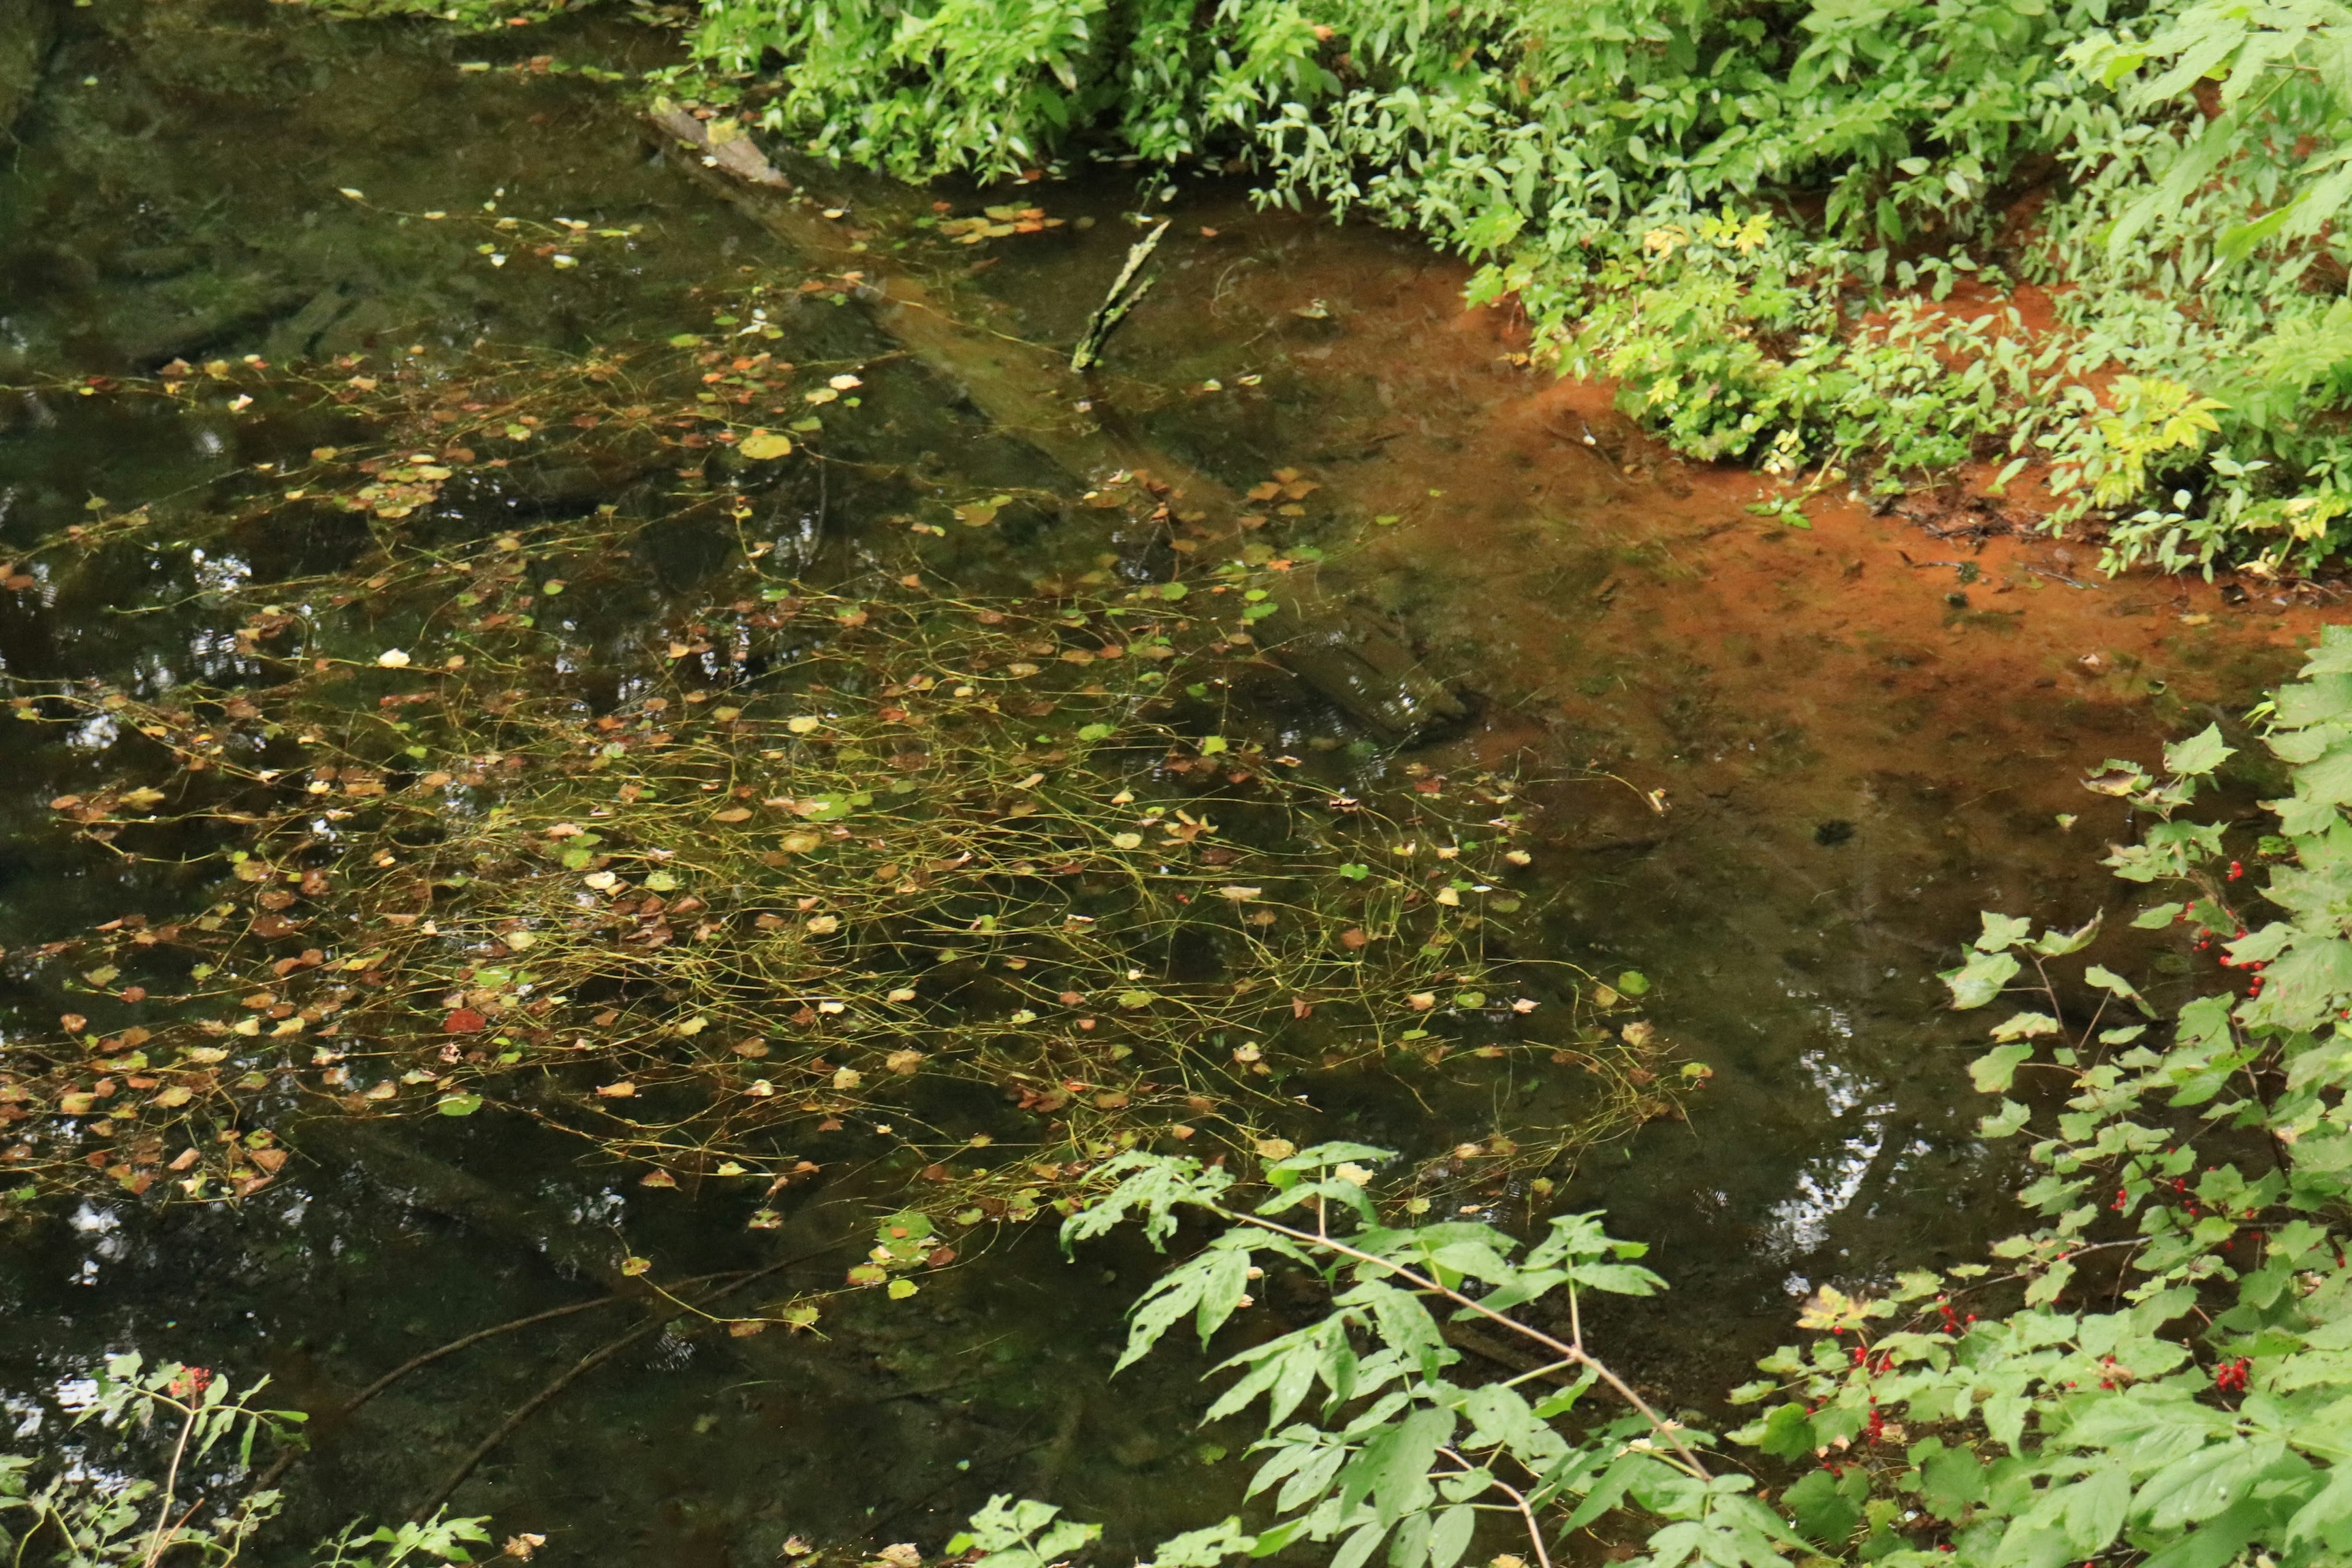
x,y
1755,217
2154,1372
97,1506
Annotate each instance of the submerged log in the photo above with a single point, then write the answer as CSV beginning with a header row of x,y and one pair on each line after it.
x,y
1360,668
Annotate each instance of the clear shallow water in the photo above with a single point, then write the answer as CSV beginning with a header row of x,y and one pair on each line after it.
x,y
1853,764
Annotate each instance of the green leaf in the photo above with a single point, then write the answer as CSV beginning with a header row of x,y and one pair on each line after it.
x,y
2198,755
2025,1027
1981,979
1951,1481
1324,1156
1209,1285
1821,1508
2058,944
2109,980
1786,1433
1156,1183
1392,1470
2095,1506
2156,919
1993,1072
1449,1537
458,1104
2203,1483
2002,932
2328,1517
2009,1119
1202,1548
1096,732
1357,1548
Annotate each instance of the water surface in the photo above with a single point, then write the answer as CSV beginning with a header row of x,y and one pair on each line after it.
x,y
1782,770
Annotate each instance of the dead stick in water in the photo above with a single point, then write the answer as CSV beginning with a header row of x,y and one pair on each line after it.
x,y
287,1459
588,1364
523,1412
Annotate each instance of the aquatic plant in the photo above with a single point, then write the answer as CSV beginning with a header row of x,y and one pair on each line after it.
x,y
749,890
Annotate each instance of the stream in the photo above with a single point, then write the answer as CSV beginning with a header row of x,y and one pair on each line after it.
x,y
1781,770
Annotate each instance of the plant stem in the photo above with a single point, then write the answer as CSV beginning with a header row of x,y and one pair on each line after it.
x,y
1575,1353
164,1528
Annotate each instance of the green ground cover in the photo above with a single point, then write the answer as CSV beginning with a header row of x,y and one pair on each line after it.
x,y
1794,233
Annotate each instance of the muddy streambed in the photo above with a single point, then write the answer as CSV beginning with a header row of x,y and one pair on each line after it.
x,y
1786,769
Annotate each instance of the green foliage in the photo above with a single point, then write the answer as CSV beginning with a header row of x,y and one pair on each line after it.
x,y
86,1516
82,1511
1024,1535
427,1544
2173,1378
2156,1371
1789,230
1370,1440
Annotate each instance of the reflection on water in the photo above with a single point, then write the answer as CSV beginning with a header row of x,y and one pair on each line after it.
x,y
1829,751
1832,1179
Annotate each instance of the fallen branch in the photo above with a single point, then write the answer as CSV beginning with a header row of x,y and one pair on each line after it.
x,y
671,1311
